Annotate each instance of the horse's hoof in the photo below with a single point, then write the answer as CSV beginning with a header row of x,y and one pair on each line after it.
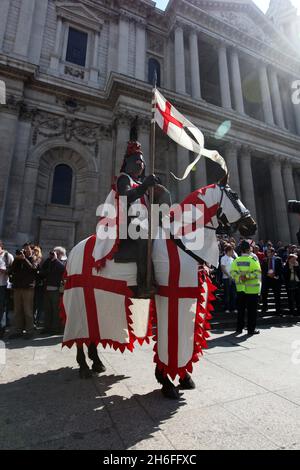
x,y
98,367
85,373
169,391
187,382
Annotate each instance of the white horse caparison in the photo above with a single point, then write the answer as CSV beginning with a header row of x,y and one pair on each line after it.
x,y
182,305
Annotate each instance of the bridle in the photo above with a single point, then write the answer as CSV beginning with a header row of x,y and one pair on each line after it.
x,y
221,216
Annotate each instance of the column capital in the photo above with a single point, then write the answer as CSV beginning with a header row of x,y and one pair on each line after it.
x,y
246,150
232,146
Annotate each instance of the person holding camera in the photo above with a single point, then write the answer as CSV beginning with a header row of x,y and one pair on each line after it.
x,y
52,272
23,277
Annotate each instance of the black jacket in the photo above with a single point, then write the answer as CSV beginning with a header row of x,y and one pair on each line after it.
x,y
287,274
52,272
277,268
23,273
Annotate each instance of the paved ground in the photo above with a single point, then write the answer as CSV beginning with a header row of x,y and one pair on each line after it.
x,y
247,397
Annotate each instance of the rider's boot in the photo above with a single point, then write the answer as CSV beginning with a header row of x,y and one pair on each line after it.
x,y
97,365
143,290
84,370
168,388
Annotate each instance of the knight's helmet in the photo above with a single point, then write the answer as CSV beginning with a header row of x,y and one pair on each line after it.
x,y
134,148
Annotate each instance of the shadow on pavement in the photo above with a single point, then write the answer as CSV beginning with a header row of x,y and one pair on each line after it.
x,y
57,410
36,341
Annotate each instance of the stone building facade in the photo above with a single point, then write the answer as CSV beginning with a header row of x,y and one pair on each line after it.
x,y
77,75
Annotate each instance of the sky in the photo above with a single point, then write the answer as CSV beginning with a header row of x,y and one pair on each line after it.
x,y
262,4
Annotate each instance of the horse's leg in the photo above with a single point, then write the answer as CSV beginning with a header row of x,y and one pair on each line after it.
x,y
168,388
97,366
84,370
187,382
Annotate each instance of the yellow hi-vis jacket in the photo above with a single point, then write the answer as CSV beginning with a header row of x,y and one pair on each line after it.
x,y
246,272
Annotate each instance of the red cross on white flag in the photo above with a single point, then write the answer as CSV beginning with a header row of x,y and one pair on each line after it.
x,y
175,125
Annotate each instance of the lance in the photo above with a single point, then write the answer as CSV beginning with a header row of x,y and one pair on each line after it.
x,y
151,189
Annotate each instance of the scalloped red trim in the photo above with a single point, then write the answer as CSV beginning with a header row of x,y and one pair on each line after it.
x,y
200,333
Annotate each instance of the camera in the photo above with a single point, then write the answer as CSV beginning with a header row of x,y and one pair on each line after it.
x,y
51,254
19,252
294,207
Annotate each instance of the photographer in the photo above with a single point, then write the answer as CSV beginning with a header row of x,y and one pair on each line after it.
x,y
23,275
52,272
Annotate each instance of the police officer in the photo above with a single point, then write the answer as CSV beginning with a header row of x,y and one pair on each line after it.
x,y
246,272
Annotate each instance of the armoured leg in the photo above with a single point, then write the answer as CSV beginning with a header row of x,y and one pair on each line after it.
x,y
84,370
168,388
97,366
187,382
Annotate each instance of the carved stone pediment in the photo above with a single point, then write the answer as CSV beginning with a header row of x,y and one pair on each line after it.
x,y
244,23
79,13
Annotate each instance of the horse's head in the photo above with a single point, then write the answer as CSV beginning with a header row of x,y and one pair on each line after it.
x,y
232,215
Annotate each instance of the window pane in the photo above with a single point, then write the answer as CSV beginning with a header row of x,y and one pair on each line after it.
x,y
77,45
62,185
153,65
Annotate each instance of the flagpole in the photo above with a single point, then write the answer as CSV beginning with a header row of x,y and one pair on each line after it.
x,y
151,189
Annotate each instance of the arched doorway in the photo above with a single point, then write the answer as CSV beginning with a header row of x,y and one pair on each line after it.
x,y
62,189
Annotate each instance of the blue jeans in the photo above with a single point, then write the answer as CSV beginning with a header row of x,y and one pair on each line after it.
x,y
229,294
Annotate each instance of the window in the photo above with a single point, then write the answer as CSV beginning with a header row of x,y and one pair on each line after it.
x,y
77,47
153,65
62,185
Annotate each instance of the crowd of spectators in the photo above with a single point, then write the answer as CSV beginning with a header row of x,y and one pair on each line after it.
x,y
30,287
31,284
280,265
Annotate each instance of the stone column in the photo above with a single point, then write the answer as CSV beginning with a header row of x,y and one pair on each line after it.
x,y
28,198
90,219
247,187
200,174
224,77
195,66
4,10
8,129
54,61
94,70
231,157
123,134
112,59
123,47
236,82
38,28
140,60
183,160
290,193
105,167
24,28
275,92
14,196
265,95
144,139
296,106
279,200
180,86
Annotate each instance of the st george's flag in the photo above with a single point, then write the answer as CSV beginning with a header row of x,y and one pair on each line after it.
x,y
183,132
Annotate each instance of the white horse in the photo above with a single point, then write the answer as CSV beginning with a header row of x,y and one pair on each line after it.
x,y
99,307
